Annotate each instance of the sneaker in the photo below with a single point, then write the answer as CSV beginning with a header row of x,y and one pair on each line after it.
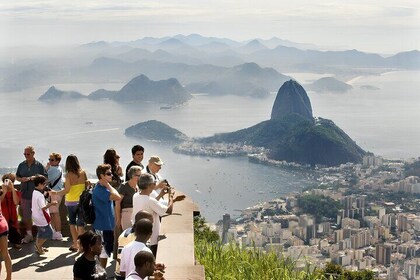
x,y
57,236
27,239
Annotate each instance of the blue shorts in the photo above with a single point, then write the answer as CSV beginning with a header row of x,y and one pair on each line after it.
x,y
74,215
45,232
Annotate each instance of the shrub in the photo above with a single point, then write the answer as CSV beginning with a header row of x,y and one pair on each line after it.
x,y
232,262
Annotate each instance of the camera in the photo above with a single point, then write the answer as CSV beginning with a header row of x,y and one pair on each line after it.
x,y
169,186
166,181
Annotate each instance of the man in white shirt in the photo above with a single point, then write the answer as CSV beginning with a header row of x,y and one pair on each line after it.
x,y
143,231
145,267
142,201
155,164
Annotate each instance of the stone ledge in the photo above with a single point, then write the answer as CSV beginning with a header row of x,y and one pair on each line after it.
x,y
176,250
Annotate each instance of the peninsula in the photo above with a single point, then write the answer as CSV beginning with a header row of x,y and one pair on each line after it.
x,y
292,135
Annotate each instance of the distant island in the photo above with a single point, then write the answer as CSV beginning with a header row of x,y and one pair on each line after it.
x,y
369,87
329,84
53,94
140,88
292,136
153,130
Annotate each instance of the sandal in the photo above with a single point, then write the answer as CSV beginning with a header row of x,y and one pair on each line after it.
x,y
39,250
73,249
45,249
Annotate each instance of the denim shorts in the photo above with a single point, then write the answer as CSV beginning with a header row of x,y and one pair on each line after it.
x,y
45,232
74,215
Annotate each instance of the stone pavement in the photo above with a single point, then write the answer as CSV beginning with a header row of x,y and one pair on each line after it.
x,y
55,264
176,251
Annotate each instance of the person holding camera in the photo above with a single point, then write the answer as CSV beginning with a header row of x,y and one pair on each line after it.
x,y
143,201
8,208
162,185
4,231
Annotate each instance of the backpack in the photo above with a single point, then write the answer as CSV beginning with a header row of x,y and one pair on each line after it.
x,y
86,209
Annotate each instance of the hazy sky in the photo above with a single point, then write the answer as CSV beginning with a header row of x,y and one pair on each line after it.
x,y
370,25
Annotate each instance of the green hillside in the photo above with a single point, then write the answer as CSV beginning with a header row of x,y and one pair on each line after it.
x,y
297,139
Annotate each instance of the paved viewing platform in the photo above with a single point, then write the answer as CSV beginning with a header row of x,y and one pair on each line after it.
x,y
176,251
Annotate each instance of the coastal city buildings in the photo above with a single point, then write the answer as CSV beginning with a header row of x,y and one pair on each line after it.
x,y
375,222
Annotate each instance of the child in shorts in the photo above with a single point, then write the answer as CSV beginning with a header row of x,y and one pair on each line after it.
x,y
40,214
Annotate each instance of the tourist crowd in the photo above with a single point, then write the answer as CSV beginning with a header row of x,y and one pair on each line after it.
x,y
110,217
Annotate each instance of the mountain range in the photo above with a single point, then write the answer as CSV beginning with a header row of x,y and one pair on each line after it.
x,y
190,58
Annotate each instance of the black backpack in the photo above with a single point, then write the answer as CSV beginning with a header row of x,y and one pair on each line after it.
x,y
86,209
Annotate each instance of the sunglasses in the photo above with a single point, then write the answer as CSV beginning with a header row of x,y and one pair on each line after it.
x,y
108,173
51,159
26,154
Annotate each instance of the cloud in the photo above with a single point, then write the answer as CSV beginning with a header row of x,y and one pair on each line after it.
x,y
401,11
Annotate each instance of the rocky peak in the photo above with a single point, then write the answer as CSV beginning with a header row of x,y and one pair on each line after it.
x,y
291,98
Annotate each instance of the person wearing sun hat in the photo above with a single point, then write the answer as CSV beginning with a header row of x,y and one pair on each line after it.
x,y
153,168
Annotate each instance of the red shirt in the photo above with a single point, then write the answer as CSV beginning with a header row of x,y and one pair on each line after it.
x,y
8,208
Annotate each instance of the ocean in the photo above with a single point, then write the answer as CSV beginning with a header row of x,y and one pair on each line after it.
x,y
383,121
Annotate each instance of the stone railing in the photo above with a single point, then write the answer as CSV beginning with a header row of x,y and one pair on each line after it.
x,y
176,251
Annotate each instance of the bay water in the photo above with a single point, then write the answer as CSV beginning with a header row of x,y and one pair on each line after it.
x,y
384,121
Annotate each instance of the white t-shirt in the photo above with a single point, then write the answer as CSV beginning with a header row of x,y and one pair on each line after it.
x,y
135,276
38,202
154,207
155,193
128,253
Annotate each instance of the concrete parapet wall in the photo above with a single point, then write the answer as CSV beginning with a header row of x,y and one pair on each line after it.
x,y
176,251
